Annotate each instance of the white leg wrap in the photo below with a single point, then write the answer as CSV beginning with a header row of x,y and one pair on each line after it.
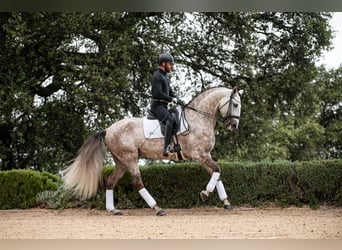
x,y
221,191
147,197
213,180
110,200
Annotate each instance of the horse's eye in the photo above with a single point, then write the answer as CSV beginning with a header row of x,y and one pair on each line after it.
x,y
235,105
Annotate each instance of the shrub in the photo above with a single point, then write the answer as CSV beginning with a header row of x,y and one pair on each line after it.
x,y
20,187
179,185
284,183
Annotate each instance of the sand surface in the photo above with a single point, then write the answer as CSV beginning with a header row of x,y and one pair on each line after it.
x,y
197,223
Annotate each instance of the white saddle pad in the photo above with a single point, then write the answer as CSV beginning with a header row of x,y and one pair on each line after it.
x,y
152,127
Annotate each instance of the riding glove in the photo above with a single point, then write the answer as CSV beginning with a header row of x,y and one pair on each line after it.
x,y
180,102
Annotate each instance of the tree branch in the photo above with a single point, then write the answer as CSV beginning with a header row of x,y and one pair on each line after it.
x,y
50,89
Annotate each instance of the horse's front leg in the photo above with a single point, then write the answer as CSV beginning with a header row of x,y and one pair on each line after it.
x,y
215,181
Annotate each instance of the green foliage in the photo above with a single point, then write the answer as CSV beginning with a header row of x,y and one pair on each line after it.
x,y
20,187
283,183
52,199
178,186
330,107
65,75
61,199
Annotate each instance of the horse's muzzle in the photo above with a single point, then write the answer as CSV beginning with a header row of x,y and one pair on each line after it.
x,y
233,124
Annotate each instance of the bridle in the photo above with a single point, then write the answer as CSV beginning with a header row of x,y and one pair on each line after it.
x,y
227,118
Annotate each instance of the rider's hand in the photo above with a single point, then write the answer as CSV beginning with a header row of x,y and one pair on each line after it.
x,y
180,102
174,101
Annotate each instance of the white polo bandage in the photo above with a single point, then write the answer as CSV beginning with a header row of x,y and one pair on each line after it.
x,y
221,191
147,197
213,180
110,200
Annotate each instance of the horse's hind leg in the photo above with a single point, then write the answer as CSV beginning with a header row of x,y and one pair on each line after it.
x,y
111,182
138,184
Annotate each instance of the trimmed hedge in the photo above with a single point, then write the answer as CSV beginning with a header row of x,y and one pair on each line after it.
x,y
179,185
19,188
283,183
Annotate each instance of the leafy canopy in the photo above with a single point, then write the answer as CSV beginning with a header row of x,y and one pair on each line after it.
x,y
65,75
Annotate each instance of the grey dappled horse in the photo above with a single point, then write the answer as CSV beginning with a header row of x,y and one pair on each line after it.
x,y
126,141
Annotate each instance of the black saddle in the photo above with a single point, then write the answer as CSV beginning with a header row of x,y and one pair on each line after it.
x,y
150,115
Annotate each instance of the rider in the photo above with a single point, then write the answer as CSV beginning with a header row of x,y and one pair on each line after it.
x,y
162,94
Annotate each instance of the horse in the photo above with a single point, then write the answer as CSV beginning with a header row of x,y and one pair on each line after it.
x,y
127,143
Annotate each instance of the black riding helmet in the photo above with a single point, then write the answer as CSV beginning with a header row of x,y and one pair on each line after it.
x,y
165,57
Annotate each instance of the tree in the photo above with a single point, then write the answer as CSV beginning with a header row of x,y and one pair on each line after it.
x,y
329,90
65,75
271,56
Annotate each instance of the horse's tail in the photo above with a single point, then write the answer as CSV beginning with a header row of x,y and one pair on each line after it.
x,y
83,176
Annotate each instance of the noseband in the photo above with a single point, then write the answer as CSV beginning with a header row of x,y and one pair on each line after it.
x,y
228,117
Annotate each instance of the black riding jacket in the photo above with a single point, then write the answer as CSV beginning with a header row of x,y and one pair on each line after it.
x,y
161,89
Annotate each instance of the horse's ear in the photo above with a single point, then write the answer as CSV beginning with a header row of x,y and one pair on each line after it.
x,y
241,92
235,89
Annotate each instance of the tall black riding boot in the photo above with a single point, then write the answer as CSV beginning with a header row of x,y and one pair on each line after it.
x,y
167,138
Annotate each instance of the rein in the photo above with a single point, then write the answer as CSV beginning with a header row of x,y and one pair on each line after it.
x,y
226,118
201,112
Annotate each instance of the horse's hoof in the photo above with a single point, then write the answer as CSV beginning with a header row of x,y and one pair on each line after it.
x,y
116,212
204,195
160,212
228,207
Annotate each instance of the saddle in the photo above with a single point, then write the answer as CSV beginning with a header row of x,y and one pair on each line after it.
x,y
176,116
153,128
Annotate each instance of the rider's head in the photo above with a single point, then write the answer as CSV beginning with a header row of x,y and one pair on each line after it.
x,y
166,62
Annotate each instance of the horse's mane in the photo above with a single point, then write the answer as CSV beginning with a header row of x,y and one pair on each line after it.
x,y
206,92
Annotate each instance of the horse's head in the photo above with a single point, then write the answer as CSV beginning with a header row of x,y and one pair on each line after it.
x,y
231,109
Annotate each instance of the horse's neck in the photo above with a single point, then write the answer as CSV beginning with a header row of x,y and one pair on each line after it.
x,y
207,105
210,102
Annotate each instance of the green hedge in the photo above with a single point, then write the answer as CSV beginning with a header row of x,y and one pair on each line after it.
x,y
178,186
19,188
283,183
